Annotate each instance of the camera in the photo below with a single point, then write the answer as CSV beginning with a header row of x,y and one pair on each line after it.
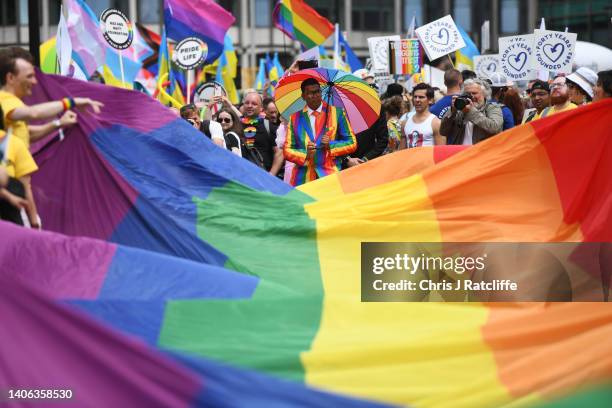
x,y
307,64
462,101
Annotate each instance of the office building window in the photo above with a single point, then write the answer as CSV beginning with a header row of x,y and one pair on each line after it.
x,y
413,8
98,6
373,16
434,10
263,13
590,19
509,10
462,14
149,11
233,6
333,10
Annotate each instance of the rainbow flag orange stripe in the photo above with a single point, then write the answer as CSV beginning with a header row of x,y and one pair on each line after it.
x,y
301,22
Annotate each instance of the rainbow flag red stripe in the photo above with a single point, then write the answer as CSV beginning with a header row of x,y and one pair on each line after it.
x,y
302,23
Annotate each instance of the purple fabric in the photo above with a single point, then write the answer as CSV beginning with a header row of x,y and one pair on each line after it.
x,y
68,207
61,267
201,16
54,87
45,345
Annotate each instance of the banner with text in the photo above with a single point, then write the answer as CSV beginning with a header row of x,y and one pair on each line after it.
x,y
516,56
485,65
405,57
554,50
440,37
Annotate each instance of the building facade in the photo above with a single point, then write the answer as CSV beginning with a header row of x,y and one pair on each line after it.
x,y
254,33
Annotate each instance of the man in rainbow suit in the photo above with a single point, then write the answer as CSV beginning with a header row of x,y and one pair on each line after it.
x,y
318,137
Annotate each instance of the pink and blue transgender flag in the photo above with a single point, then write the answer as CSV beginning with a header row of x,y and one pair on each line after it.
x,y
88,46
204,19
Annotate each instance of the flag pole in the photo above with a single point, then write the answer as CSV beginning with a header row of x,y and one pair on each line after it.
x,y
188,86
121,68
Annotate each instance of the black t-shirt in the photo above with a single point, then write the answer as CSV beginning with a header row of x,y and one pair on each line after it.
x,y
265,142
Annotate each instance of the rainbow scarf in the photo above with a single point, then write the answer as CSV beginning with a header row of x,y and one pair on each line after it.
x,y
139,176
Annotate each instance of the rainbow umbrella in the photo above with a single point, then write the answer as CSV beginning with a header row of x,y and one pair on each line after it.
x,y
339,88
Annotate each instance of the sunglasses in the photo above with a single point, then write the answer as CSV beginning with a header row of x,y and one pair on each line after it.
x,y
225,120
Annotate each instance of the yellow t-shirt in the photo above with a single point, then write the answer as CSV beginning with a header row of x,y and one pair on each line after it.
x,y
10,102
551,110
17,160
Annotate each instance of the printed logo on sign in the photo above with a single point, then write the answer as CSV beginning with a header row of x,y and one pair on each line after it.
x,y
515,56
554,50
116,29
440,37
485,65
190,53
517,61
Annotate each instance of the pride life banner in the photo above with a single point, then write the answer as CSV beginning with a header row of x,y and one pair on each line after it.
x,y
405,57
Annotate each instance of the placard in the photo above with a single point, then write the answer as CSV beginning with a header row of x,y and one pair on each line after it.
x,y
190,53
405,57
485,65
206,91
116,29
515,57
554,50
440,37
379,51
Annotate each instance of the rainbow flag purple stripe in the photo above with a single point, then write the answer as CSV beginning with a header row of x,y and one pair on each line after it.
x,y
52,346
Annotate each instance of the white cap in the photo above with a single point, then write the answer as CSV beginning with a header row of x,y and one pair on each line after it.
x,y
585,78
363,73
498,80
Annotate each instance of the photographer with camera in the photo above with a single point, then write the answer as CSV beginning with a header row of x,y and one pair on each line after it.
x,y
472,118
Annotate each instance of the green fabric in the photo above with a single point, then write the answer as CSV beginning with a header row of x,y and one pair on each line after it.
x,y
269,331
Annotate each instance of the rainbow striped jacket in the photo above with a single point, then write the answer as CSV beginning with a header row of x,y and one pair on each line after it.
x,y
324,162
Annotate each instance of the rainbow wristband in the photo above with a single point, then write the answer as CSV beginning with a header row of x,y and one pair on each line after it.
x,y
68,103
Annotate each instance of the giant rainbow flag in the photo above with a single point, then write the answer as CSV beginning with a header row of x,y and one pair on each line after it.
x,y
137,176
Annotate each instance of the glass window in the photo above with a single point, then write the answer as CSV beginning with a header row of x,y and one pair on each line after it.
x,y
149,11
413,8
435,10
373,16
462,14
54,11
98,6
8,13
509,9
333,10
263,13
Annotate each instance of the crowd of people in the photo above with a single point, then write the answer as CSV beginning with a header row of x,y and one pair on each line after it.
x,y
315,141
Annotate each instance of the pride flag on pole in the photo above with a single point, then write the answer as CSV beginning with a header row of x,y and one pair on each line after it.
x,y
465,56
301,22
204,19
88,45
